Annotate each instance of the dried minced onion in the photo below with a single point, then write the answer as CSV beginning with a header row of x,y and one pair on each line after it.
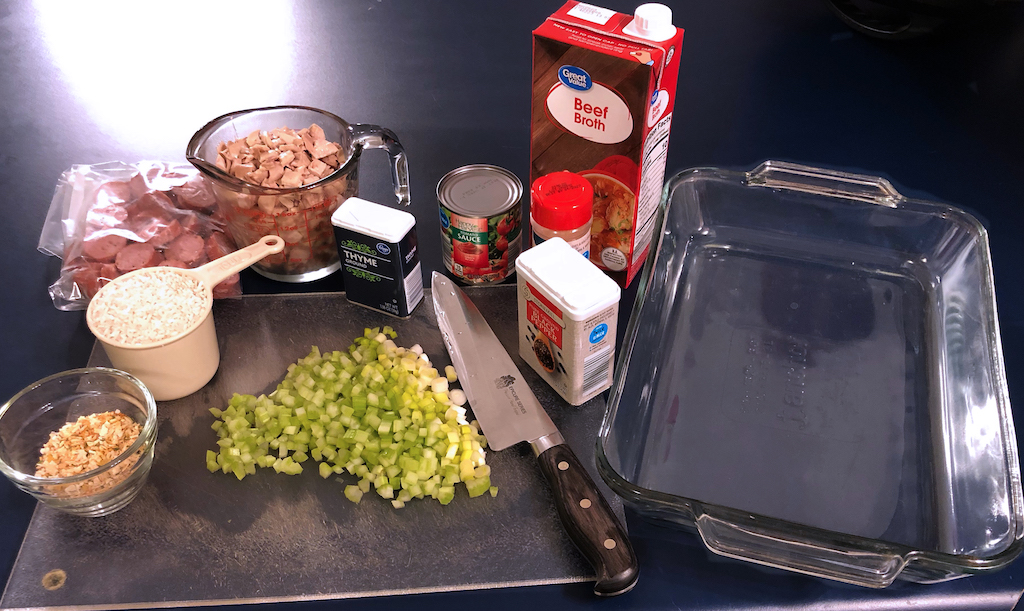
x,y
87,444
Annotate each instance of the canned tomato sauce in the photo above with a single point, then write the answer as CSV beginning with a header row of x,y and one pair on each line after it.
x,y
481,222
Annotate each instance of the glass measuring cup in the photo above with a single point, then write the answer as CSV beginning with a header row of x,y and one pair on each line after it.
x,y
300,215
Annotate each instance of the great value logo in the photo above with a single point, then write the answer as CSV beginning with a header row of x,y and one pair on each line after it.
x,y
575,78
659,102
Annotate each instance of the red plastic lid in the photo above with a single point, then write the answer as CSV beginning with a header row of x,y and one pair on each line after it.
x,y
562,201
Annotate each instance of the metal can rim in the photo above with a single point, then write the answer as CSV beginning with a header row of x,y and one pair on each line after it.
x,y
453,174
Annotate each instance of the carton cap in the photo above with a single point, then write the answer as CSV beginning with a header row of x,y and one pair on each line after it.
x,y
652,21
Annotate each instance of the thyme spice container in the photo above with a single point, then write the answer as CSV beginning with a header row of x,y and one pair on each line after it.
x,y
567,313
380,261
481,218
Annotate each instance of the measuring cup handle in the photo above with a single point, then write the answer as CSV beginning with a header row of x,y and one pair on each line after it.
x,y
377,137
215,271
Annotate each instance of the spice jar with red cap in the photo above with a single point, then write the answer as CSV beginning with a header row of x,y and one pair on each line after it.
x,y
562,206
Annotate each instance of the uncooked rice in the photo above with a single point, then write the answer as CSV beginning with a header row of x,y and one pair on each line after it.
x,y
155,304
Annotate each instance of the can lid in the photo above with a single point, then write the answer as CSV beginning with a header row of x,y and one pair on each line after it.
x,y
562,201
576,285
381,222
479,190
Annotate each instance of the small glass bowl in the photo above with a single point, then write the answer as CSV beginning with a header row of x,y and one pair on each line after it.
x,y
28,418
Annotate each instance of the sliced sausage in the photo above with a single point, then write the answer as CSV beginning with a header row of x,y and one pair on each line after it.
x,y
187,248
136,256
108,271
163,177
148,179
197,223
153,203
195,195
218,245
114,192
146,227
91,277
138,186
105,216
218,218
87,278
149,215
172,174
165,235
104,249
173,263
228,287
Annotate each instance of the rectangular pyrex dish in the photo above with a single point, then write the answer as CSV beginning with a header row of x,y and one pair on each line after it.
x,y
812,378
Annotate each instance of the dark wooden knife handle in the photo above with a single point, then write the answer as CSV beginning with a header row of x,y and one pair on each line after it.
x,y
590,522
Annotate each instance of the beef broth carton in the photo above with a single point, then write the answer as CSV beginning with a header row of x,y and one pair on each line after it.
x,y
604,84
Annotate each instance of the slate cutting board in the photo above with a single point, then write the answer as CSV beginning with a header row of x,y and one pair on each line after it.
x,y
198,538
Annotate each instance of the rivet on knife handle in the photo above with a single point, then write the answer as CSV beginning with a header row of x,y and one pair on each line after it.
x,y
590,522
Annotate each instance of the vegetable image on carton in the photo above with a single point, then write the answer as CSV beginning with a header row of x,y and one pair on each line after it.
x,y
603,89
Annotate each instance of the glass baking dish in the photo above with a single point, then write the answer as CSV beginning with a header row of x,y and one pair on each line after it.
x,y
812,378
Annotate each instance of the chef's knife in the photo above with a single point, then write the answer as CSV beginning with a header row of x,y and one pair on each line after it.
x,y
509,413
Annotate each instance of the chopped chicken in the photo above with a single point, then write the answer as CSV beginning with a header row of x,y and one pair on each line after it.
x,y
281,159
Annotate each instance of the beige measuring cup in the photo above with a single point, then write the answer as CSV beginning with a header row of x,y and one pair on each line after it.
x,y
180,364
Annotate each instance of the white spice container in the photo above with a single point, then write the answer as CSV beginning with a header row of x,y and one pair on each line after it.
x,y
380,261
567,314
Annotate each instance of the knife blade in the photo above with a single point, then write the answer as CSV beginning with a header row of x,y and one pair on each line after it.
x,y
509,413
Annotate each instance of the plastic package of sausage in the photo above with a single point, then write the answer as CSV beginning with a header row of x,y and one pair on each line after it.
x,y
111,218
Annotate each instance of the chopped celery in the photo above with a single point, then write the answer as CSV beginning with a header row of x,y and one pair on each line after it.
x,y
353,493
379,411
446,494
477,485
